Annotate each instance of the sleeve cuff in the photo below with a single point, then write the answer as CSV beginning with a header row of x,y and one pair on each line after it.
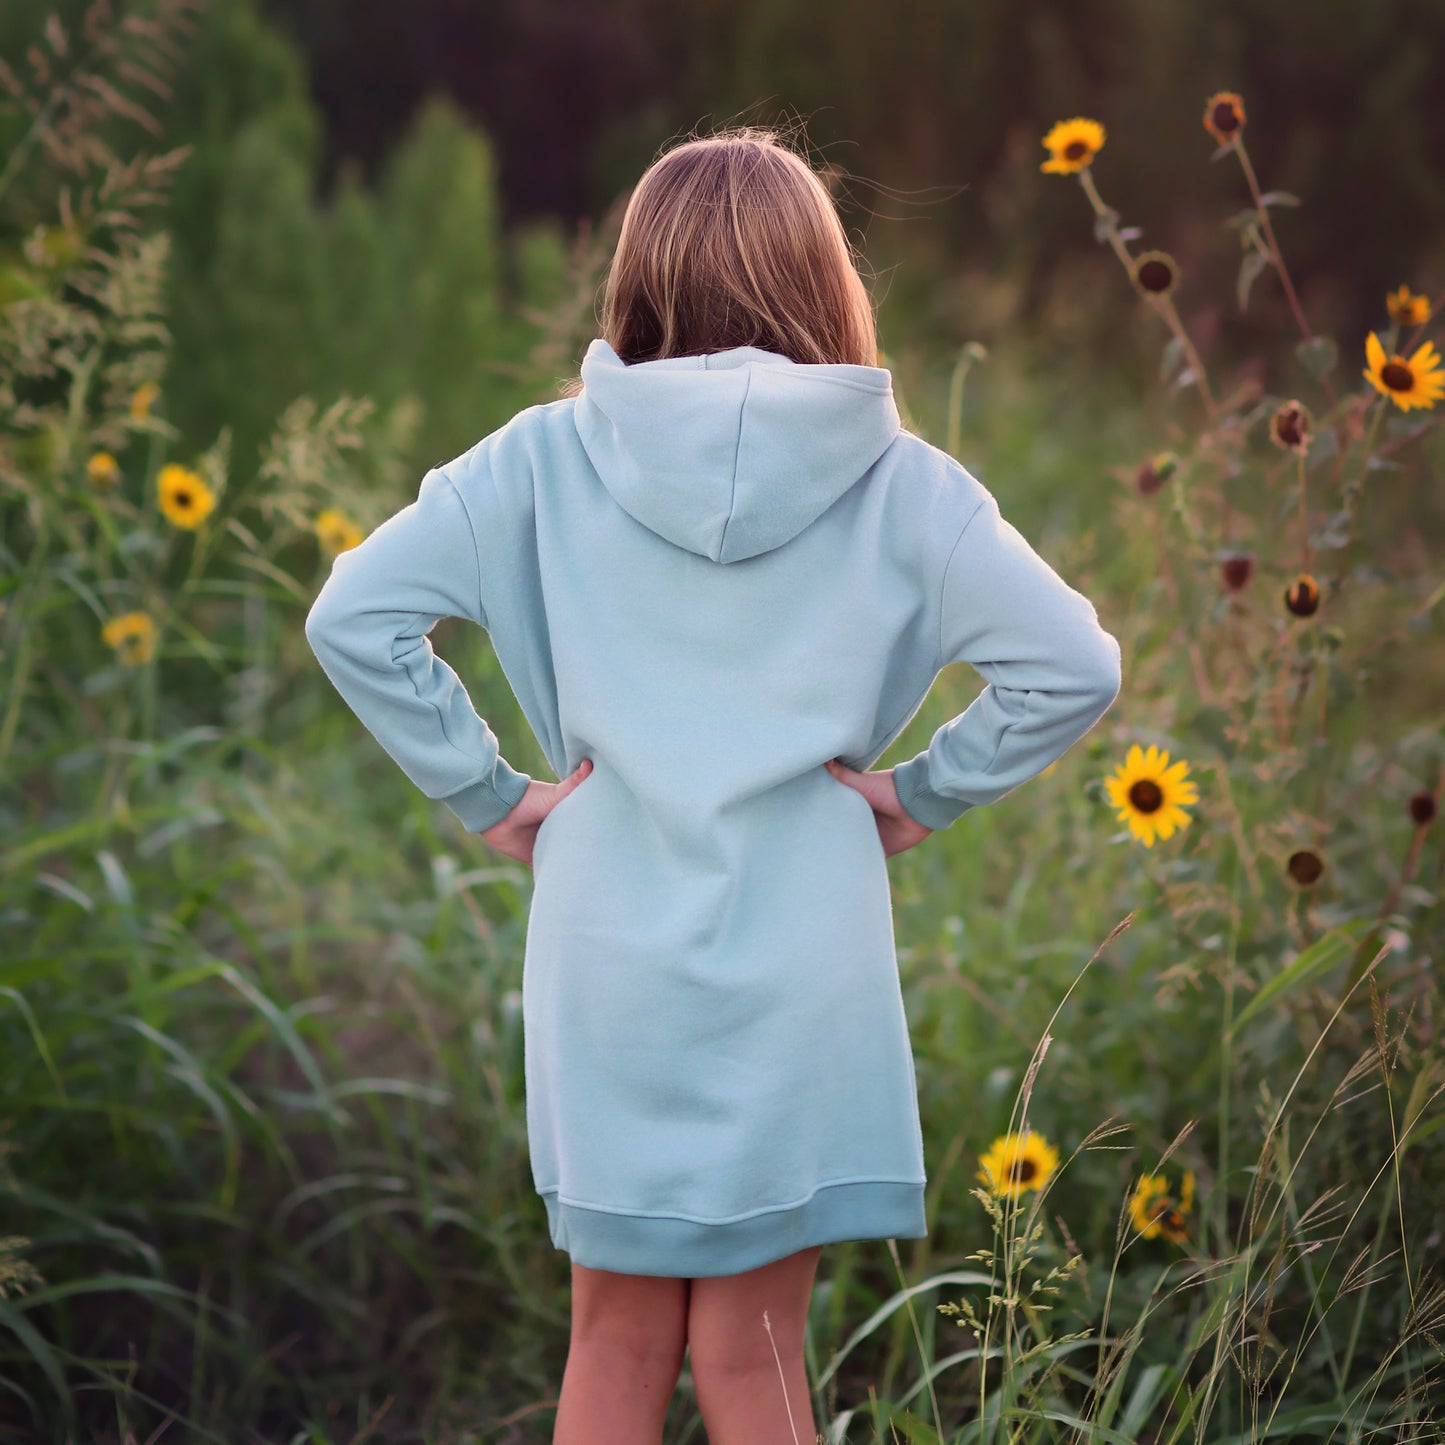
x,y
483,804
921,803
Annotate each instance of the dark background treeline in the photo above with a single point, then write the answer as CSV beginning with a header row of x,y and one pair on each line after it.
x,y
382,194
1344,98
934,106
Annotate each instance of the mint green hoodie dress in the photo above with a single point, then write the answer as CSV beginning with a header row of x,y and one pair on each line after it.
x,y
710,574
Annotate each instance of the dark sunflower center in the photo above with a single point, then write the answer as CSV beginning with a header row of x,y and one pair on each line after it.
x,y
1237,571
1288,429
183,498
1397,376
1022,1170
1225,119
1146,796
1076,150
1305,866
1156,275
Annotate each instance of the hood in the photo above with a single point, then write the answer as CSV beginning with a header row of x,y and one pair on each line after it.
x,y
731,453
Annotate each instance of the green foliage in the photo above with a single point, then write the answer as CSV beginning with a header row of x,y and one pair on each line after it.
x,y
398,293
263,1079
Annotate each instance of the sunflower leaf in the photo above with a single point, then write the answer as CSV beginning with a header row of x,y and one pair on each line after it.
x,y
1325,953
1318,355
1104,223
1249,270
1334,532
1278,198
1130,233
1172,355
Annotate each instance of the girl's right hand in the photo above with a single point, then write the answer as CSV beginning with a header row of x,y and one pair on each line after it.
x,y
897,829
516,834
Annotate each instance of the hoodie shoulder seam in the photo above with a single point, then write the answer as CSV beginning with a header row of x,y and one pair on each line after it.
x,y
476,546
737,456
947,568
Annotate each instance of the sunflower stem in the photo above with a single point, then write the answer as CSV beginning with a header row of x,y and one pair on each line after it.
x,y
1352,500
1164,305
1171,317
1106,214
954,430
1304,516
1276,255
1226,1070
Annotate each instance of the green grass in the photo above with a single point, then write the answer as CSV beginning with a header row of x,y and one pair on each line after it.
x,y
262,1121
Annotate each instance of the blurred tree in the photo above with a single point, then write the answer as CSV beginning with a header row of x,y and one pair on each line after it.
x,y
934,112
439,216
948,102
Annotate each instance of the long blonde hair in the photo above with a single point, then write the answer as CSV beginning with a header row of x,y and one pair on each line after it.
x,y
732,239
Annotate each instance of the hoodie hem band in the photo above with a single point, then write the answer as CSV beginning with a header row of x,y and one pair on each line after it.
x,y
690,1249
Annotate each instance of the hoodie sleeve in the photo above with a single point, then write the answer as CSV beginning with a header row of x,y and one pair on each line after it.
x,y
1052,672
368,628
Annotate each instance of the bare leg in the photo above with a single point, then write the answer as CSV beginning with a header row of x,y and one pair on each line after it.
x,y
629,1332
748,1394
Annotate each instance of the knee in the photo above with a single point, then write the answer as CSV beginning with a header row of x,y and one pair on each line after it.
x,y
635,1345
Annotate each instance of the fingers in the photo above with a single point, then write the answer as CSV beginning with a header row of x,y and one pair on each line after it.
x,y
574,777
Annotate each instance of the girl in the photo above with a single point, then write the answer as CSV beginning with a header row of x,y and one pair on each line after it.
x,y
720,579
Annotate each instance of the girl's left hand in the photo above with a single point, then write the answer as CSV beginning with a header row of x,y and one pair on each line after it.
x,y
516,834
898,830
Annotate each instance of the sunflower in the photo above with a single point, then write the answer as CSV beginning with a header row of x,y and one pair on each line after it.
x,y
1149,794
1016,1162
1305,866
184,496
1072,145
1420,381
1153,473
1224,116
132,635
338,533
102,469
1156,1212
1291,427
1408,308
1302,596
1236,571
1155,273
145,397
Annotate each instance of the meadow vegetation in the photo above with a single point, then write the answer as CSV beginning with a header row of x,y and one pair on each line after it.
x,y
1175,1004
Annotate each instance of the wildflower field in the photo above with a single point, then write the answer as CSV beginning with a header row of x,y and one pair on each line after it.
x,y
1175,1004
